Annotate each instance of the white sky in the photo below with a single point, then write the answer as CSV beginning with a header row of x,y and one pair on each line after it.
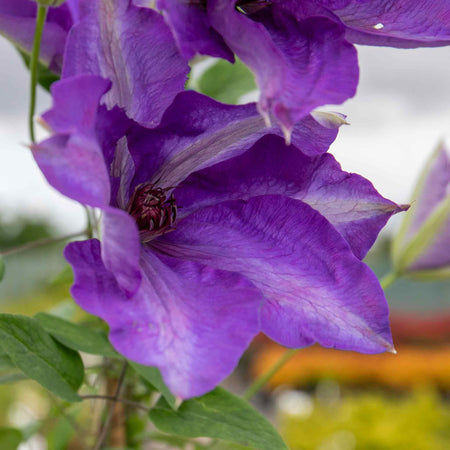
x,y
401,110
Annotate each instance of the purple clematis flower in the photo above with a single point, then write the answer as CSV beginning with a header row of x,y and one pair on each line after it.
x,y
18,22
214,230
301,50
422,246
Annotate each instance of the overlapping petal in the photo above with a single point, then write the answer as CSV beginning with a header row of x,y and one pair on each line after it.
x,y
191,321
299,65
197,132
348,201
316,290
105,43
192,30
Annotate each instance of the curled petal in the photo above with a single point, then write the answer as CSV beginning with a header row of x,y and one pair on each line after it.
x,y
299,65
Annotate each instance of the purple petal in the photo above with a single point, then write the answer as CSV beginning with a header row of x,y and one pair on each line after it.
x,y
191,321
316,290
348,201
18,22
121,249
75,167
196,132
418,23
75,104
299,65
134,49
431,194
72,161
190,26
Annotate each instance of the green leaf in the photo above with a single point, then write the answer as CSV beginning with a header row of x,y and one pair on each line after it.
x,y
76,336
226,82
38,355
153,376
45,76
10,438
218,414
13,378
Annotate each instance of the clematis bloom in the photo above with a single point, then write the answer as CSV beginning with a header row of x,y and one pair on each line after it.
x,y
214,230
301,50
422,246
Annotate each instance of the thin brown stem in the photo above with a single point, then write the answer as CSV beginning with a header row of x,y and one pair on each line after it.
x,y
114,400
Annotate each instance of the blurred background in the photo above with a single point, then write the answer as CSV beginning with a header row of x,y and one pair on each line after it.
x,y
321,399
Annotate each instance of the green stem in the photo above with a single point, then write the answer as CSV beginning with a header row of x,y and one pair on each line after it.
x,y
389,279
264,378
34,62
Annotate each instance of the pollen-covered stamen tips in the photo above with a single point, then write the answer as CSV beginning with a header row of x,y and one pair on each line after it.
x,y
153,212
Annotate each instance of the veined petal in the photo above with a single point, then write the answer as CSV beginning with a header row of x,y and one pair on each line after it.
x,y
191,321
415,23
316,290
192,30
18,22
72,160
74,165
197,132
121,249
299,65
134,49
348,201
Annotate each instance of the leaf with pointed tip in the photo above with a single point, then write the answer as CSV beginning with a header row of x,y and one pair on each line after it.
x,y
76,336
56,367
153,376
218,414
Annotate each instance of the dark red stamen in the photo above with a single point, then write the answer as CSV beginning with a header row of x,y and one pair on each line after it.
x,y
151,209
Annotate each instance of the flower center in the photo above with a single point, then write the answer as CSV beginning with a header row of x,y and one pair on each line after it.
x,y
153,212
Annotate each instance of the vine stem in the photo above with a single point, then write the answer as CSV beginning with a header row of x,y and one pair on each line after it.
x,y
389,279
40,243
34,61
114,400
265,377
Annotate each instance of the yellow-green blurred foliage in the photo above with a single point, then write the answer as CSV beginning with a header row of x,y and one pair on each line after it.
x,y
371,421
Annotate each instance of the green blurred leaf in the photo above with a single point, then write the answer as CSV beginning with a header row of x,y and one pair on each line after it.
x,y
45,76
226,82
10,438
153,376
76,336
2,268
218,414
59,437
38,355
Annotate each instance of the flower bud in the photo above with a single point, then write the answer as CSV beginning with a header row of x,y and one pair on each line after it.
x,y
53,3
422,246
